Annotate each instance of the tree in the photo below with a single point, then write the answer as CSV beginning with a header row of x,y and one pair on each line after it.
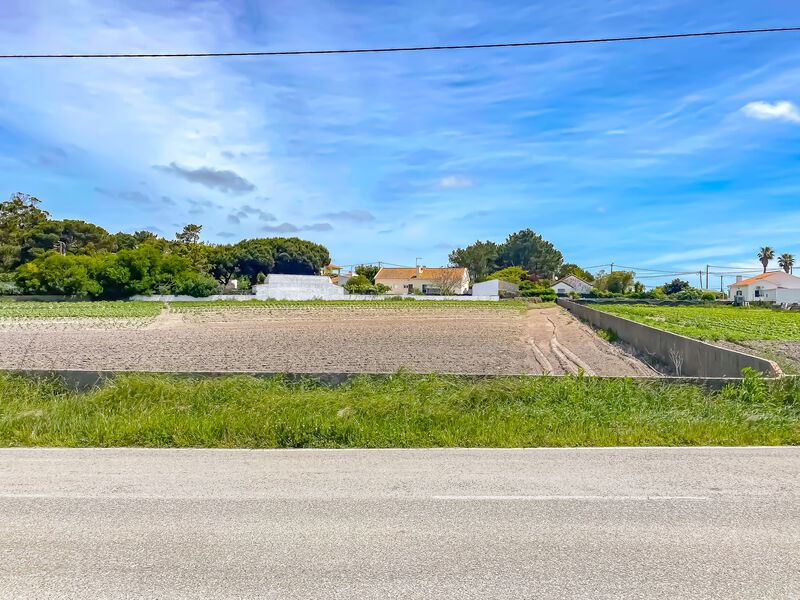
x,y
20,216
510,274
368,271
450,281
675,286
765,255
530,251
617,282
299,257
568,269
479,259
190,234
252,257
786,262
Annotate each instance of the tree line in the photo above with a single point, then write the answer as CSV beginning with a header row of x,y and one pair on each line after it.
x,y
47,256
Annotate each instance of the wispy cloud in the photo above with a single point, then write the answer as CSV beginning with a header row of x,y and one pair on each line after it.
x,y
292,228
781,111
225,180
456,182
358,216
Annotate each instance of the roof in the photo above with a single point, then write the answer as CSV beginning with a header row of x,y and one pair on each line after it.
x,y
427,273
333,267
768,275
572,275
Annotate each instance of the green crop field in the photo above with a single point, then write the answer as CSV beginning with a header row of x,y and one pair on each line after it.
x,y
72,310
403,410
734,324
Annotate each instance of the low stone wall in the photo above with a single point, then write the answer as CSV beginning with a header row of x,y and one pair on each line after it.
x,y
696,358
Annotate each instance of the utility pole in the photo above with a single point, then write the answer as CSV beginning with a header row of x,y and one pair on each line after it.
x,y
706,276
60,247
700,273
720,285
612,266
419,258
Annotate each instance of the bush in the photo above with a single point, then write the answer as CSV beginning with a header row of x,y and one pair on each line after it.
x,y
198,285
708,296
360,284
509,274
546,294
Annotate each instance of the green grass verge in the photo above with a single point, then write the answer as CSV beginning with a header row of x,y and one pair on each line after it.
x,y
734,324
62,310
403,410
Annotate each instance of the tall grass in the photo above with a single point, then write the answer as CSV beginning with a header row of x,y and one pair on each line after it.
x,y
404,410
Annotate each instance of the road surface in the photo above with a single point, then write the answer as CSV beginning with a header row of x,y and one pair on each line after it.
x,y
537,523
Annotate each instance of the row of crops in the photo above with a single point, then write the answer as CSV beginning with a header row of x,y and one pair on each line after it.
x,y
729,323
62,310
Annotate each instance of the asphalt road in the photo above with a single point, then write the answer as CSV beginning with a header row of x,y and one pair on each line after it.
x,y
538,523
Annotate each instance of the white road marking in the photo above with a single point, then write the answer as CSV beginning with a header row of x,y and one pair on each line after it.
x,y
564,497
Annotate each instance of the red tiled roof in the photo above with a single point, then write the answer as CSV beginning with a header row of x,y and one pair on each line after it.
x,y
427,273
756,278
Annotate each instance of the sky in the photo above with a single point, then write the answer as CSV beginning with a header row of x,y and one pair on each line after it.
x,y
658,154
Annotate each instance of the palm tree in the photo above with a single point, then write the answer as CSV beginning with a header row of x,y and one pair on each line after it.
x,y
765,255
786,262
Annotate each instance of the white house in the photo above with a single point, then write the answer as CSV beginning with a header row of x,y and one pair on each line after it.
x,y
571,283
454,280
775,286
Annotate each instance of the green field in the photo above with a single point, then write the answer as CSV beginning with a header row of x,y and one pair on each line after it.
x,y
403,410
734,324
62,310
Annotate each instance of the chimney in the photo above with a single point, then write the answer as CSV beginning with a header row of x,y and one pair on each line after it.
x,y
738,279
419,269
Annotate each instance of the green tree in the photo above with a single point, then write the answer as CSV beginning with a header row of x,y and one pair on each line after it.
x,y
510,274
530,251
617,282
765,255
299,257
20,216
675,286
252,257
368,271
190,234
479,259
78,237
55,274
786,262
568,269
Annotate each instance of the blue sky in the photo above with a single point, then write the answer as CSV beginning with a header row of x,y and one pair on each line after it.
x,y
666,154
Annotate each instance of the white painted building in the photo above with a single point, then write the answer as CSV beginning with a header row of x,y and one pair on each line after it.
x,y
571,283
775,286
495,287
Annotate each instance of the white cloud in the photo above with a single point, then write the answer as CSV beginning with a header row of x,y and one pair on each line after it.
x,y
784,111
455,182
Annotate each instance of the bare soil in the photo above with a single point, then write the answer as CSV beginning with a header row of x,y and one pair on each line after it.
x,y
318,338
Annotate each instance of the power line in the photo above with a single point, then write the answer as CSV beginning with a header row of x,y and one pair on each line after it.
x,y
411,48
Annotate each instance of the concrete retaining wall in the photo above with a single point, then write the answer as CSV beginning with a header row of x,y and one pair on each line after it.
x,y
697,359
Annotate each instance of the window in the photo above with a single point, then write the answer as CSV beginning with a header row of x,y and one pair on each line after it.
x,y
562,290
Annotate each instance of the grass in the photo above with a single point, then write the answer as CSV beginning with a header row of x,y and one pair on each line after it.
x,y
62,310
403,410
733,324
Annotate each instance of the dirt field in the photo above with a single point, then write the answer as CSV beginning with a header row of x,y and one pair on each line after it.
x,y
318,338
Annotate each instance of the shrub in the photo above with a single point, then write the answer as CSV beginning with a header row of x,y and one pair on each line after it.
x,y
709,296
509,274
198,285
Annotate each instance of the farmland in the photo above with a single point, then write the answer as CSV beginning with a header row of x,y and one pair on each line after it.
x,y
728,323
401,410
312,337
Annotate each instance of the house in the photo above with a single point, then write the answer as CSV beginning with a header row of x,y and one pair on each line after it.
x,y
571,283
774,286
453,280
332,271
